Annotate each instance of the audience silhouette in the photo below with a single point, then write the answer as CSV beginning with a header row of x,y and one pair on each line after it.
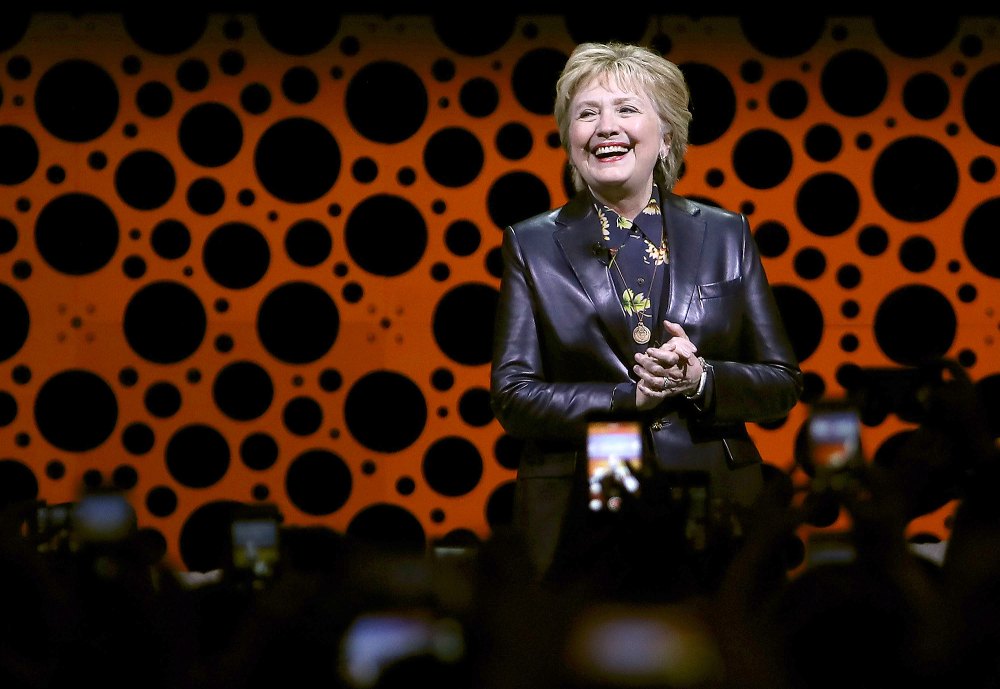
x,y
754,605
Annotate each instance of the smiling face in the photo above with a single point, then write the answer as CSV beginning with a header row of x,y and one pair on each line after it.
x,y
615,139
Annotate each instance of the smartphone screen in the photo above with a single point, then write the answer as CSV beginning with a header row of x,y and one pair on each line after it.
x,y
255,540
614,461
834,436
103,517
610,442
377,639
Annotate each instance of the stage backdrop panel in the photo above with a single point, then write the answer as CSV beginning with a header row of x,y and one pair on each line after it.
x,y
254,258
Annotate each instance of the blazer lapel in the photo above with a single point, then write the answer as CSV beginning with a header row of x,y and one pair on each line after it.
x,y
579,239
686,235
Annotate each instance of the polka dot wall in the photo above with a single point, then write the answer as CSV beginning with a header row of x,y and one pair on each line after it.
x,y
254,258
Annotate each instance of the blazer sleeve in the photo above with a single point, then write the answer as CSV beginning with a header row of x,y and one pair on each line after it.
x,y
528,396
763,381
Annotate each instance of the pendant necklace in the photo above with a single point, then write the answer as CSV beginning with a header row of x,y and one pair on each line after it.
x,y
641,333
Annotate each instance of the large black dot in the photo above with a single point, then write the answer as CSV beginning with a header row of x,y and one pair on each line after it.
x,y
20,155
236,255
308,242
388,527
915,178
827,204
926,95
8,408
243,390
15,24
165,30
369,231
76,233
452,466
76,410
515,196
162,399
16,319
775,39
462,237
514,141
915,324
154,99
713,102
145,179
318,482
302,415
917,254
386,102
479,97
197,455
210,134
76,100
165,322
534,79
298,322
854,82
302,32
297,160
259,451
630,24
17,483
917,34
494,27
762,158
474,407
802,317
500,507
453,157
788,99
463,323
772,238
204,539
823,143
364,411
979,104
979,238
170,238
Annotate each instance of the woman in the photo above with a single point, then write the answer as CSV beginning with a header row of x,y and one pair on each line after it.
x,y
631,302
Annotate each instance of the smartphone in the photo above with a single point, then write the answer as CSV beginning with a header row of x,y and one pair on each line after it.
x,y
376,639
829,548
614,462
255,543
833,437
621,645
102,517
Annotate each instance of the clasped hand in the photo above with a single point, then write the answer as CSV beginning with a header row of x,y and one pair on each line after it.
x,y
671,369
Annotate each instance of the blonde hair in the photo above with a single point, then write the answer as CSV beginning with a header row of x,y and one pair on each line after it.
x,y
636,67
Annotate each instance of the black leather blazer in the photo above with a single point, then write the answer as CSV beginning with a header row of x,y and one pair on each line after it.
x,y
562,344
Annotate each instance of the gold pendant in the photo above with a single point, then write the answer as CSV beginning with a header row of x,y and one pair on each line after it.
x,y
640,334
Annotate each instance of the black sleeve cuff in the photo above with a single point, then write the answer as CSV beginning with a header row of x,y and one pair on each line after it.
x,y
623,400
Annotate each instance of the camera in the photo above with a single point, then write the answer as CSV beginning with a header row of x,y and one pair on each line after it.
x,y
614,462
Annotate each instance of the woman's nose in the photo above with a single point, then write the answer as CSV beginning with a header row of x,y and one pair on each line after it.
x,y
607,124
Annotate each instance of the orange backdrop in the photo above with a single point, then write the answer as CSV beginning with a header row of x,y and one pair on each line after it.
x,y
254,258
